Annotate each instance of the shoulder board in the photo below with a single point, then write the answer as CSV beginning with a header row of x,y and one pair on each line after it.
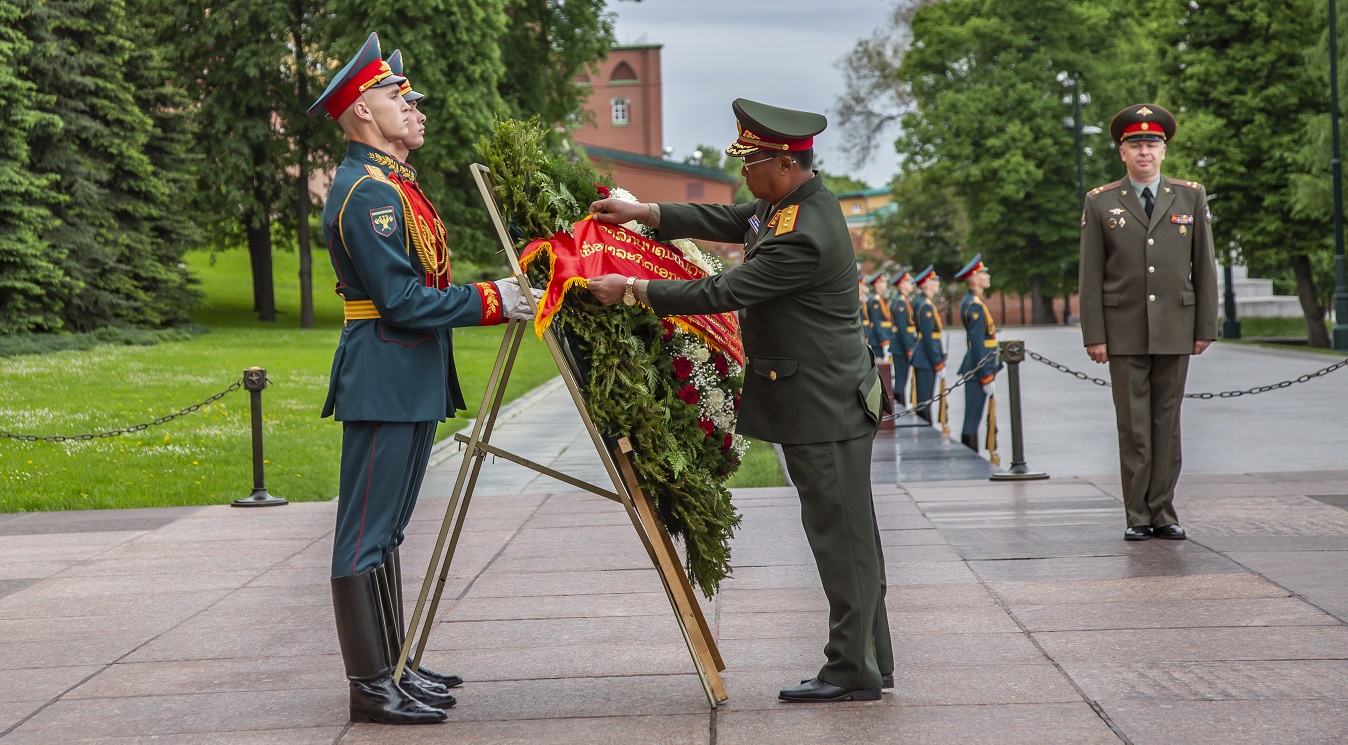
x,y
1106,187
1190,184
786,219
376,173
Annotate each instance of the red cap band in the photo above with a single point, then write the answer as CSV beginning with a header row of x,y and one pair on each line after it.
x,y
359,83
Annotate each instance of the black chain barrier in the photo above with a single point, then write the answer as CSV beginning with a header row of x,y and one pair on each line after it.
x,y
125,430
1203,396
949,389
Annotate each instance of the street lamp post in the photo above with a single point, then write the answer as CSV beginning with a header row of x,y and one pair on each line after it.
x,y
1336,166
1077,131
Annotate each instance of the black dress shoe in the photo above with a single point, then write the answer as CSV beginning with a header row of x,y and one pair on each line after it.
x,y
431,694
817,691
1137,534
1169,532
448,680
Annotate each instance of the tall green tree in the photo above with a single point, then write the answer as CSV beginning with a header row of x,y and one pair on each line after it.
x,y
118,268
30,276
1239,74
986,83
548,44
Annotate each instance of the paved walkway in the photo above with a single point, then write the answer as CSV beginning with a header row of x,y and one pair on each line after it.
x,y
1017,612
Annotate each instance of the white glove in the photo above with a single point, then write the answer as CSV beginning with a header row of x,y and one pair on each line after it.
x,y
990,388
514,304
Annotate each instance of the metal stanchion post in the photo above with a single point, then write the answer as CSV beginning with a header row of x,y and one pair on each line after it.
x,y
254,380
1013,353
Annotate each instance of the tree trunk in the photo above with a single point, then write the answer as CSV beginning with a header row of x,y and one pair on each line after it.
x,y
302,207
1041,307
1316,333
259,254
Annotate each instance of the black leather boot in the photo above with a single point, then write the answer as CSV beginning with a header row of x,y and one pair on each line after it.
x,y
419,688
375,697
969,441
395,572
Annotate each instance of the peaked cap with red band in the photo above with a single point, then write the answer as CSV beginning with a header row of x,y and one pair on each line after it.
x,y
764,127
973,267
901,276
395,64
365,71
871,280
925,274
1143,121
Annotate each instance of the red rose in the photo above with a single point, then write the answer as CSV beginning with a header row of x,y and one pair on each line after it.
x,y
669,330
683,367
737,402
603,190
707,427
728,442
688,394
718,362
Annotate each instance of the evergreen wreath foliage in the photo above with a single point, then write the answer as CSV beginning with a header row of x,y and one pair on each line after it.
x,y
641,377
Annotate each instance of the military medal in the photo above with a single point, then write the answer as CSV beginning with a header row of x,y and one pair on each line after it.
x,y
1184,230
1113,223
1122,222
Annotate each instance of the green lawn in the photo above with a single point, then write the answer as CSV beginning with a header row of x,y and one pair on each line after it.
x,y
204,458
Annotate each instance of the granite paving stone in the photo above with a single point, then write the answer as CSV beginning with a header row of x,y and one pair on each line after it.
x,y
190,714
923,685
1163,560
1200,644
1232,722
528,633
1232,680
1186,614
1156,588
302,736
42,682
688,729
181,677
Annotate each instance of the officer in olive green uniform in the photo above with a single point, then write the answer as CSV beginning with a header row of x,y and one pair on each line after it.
x,y
904,342
980,335
929,358
392,378
810,383
1148,302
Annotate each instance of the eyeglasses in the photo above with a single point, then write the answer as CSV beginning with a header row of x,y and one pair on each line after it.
x,y
747,163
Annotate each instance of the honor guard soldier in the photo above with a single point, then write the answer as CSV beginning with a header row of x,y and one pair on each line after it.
x,y
1148,301
392,378
877,311
981,348
810,383
928,358
904,342
862,294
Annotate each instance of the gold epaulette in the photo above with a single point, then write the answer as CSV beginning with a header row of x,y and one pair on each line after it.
x,y
377,174
1190,184
1106,187
784,220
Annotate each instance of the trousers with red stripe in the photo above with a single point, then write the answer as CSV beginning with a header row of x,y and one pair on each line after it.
x,y
383,464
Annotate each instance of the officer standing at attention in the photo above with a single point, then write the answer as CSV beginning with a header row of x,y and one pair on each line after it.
x,y
905,333
809,384
392,375
929,358
862,295
980,341
1148,301
877,310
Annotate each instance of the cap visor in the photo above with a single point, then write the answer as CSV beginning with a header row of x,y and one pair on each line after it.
x,y
390,80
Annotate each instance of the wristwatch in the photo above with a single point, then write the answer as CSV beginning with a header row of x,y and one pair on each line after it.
x,y
629,296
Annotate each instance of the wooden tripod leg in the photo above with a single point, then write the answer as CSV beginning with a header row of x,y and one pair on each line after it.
x,y
669,566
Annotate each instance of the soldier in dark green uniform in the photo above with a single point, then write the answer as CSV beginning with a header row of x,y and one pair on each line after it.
x,y
929,358
877,311
392,376
810,383
904,343
980,341
862,295
1148,302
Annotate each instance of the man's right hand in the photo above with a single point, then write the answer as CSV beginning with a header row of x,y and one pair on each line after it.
x,y
1098,352
617,211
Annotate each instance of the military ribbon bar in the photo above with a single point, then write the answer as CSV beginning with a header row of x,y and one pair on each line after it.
x,y
1181,219
594,248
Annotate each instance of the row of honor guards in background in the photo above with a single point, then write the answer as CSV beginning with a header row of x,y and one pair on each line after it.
x,y
904,327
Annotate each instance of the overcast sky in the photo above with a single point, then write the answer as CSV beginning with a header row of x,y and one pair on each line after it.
x,y
779,52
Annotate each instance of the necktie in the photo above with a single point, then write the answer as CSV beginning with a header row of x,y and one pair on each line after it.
x,y
1147,201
